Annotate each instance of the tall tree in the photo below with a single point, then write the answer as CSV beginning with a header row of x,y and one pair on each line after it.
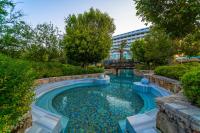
x,y
8,20
45,45
88,36
190,45
138,50
8,15
16,39
156,48
176,17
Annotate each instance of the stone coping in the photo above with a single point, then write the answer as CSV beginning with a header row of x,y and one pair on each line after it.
x,y
62,78
177,113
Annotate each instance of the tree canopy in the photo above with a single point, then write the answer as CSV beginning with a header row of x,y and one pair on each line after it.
x,y
190,45
45,45
88,36
176,17
155,48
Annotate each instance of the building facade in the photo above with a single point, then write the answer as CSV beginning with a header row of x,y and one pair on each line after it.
x,y
129,37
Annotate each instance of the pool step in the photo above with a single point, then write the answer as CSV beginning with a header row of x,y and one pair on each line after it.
x,y
122,126
142,123
150,130
44,121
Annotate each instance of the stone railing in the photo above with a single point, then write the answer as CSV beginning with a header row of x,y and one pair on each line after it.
x,y
172,85
62,78
177,115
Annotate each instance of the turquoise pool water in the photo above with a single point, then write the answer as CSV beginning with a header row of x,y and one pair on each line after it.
x,y
98,108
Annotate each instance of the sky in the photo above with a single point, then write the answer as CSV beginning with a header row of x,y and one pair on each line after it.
x,y
55,11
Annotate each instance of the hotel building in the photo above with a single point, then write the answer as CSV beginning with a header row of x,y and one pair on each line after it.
x,y
129,37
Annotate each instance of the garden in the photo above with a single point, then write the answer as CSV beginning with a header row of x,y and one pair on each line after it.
x,y
28,53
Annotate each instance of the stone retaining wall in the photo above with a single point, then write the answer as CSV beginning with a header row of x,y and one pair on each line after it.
x,y
172,85
142,72
177,115
110,71
62,78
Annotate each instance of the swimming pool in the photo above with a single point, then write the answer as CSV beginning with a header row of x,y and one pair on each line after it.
x,y
97,108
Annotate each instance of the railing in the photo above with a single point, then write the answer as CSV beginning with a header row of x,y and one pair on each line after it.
x,y
117,64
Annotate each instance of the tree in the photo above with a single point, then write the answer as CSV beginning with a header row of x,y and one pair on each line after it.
x,y
88,37
159,47
156,48
176,17
16,39
45,45
190,45
8,20
138,51
8,15
121,49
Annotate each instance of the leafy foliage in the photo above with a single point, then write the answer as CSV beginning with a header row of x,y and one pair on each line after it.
x,y
16,95
45,44
88,37
42,43
190,45
52,69
191,85
155,49
121,49
176,71
8,15
177,17
138,50
16,39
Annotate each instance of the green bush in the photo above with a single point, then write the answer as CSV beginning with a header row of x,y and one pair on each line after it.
x,y
51,69
16,95
191,85
175,71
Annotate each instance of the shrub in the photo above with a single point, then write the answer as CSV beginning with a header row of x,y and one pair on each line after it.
x,y
52,69
16,79
191,85
175,71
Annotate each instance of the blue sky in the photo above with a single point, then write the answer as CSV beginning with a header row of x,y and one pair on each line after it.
x,y
54,11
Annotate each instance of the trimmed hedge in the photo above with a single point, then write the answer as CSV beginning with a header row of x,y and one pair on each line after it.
x,y
51,69
16,94
191,85
175,71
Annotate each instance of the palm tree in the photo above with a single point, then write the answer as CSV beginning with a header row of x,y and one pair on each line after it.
x,y
121,49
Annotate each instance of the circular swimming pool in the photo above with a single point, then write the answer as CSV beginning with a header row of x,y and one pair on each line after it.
x,y
97,108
